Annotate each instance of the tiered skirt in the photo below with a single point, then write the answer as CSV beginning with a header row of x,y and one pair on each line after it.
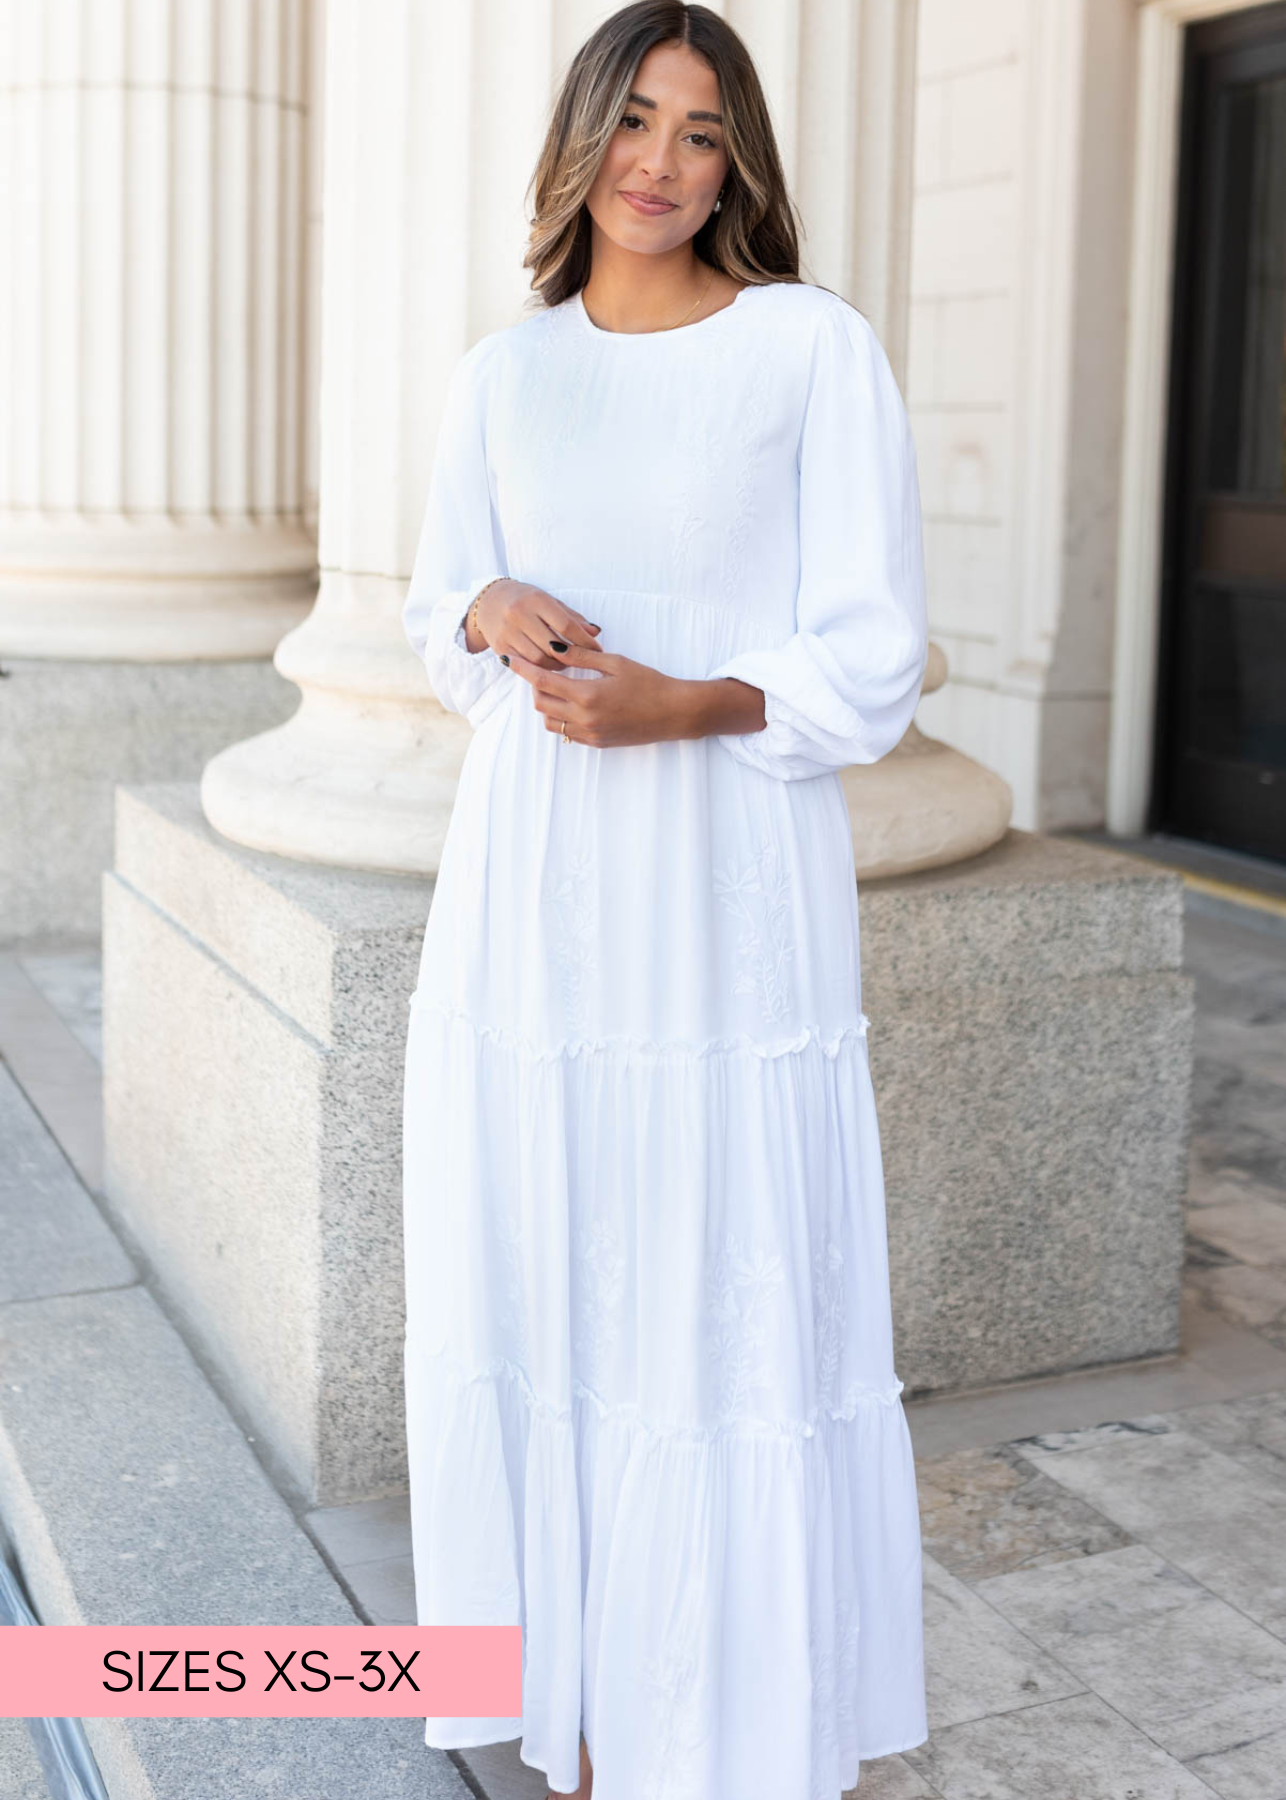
x,y
652,1413
653,1416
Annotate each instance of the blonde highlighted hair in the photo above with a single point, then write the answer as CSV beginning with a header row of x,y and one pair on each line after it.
x,y
752,237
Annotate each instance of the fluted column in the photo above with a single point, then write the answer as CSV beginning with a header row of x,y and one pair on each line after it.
x,y
152,155
433,124
431,129
841,84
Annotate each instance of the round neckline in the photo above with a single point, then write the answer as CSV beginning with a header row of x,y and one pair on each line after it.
x,y
666,330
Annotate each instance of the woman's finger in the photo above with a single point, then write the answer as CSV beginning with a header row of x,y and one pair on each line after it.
x,y
524,637
567,627
522,665
552,688
604,662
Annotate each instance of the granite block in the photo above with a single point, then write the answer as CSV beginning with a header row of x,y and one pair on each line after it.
x,y
255,1019
1035,1141
69,731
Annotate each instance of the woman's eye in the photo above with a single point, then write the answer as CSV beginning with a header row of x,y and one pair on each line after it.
x,y
703,139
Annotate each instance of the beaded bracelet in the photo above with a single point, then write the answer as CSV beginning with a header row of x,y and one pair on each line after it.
x,y
473,610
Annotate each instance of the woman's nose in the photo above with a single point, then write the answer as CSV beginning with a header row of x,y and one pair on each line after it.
x,y
657,167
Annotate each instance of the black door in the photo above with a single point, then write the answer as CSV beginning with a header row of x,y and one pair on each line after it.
x,y
1221,717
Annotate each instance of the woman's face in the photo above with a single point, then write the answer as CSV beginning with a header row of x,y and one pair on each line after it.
x,y
668,143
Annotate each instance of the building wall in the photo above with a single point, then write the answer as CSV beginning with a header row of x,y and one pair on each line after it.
x,y
1018,285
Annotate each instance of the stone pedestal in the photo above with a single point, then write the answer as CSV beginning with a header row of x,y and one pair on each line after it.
x,y
1030,1043
69,730
1031,1047
255,1014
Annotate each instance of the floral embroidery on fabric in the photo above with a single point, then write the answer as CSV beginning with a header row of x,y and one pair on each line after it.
x,y
821,1656
509,1237
546,420
565,403
757,893
570,896
685,542
828,1318
739,1285
751,416
679,1703
833,1659
847,1631
601,1265
703,452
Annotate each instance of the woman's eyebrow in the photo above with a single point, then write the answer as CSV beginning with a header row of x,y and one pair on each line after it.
x,y
642,100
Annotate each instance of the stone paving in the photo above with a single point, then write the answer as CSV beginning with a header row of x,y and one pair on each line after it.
x,y
1105,1553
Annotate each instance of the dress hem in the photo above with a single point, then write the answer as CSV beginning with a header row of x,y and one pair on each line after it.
x,y
486,1743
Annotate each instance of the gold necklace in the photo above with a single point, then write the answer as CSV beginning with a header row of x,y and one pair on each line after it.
x,y
700,297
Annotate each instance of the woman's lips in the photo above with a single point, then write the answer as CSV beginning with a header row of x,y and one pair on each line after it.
x,y
648,207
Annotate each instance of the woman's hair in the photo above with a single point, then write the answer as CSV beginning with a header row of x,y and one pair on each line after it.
x,y
753,235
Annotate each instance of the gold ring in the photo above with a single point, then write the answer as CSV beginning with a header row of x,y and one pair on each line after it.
x,y
563,724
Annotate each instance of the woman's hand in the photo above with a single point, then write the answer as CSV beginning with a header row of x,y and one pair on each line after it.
x,y
516,617
633,703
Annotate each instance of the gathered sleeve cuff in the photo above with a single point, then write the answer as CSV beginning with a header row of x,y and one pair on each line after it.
x,y
844,688
460,550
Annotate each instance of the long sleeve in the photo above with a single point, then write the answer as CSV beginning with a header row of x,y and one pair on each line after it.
x,y
844,688
460,550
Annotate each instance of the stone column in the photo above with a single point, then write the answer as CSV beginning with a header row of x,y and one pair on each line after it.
x,y
847,106
154,363
430,140
851,113
151,464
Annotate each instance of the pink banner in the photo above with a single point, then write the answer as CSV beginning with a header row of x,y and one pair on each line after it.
x,y
262,1672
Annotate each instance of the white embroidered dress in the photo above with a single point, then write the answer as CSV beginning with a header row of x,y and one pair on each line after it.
x,y
652,1411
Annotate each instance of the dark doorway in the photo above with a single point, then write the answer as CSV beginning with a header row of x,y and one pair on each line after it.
x,y
1221,714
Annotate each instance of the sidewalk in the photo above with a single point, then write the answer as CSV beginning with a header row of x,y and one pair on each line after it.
x,y
1105,1553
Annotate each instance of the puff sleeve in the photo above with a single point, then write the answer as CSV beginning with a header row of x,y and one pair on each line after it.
x,y
460,550
844,688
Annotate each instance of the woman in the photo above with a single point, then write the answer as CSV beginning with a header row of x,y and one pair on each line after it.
x,y
670,571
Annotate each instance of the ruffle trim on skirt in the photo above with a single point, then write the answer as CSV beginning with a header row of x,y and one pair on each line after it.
x,y
856,1394
830,1043
717,1609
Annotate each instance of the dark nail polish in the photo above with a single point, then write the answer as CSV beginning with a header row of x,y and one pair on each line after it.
x,y
556,644
504,659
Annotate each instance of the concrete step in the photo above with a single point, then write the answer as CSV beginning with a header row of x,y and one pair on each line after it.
x,y
131,1496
